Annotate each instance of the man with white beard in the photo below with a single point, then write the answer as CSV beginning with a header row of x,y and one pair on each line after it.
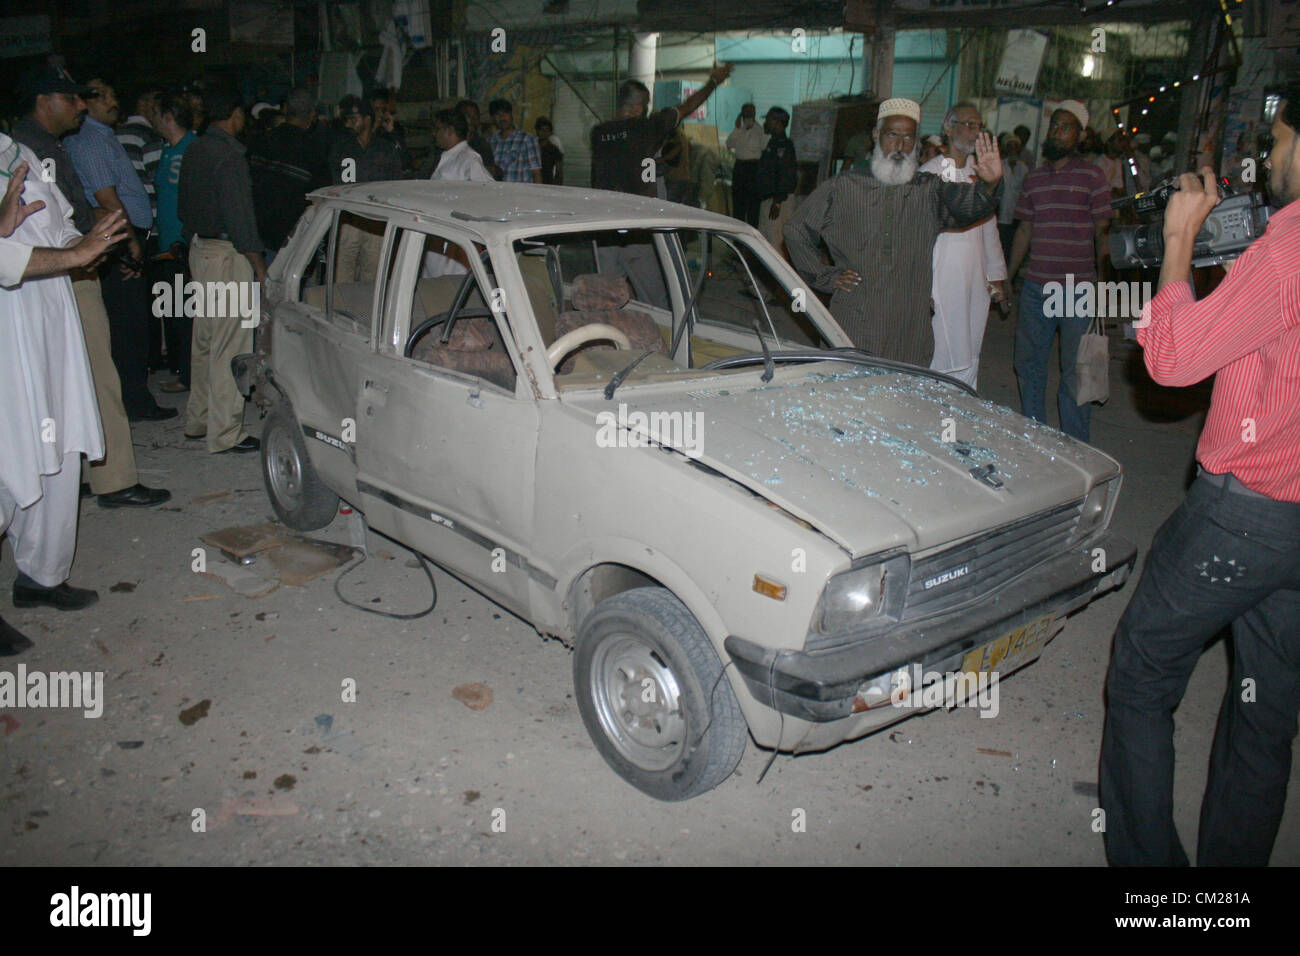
x,y
965,260
48,412
879,222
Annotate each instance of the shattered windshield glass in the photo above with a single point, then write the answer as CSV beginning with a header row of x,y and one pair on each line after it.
x,y
691,297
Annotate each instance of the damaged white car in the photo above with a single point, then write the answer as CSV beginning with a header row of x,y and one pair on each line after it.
x,y
630,423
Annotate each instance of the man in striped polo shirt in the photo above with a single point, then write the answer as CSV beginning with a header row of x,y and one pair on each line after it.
x,y
1063,209
142,143
1230,554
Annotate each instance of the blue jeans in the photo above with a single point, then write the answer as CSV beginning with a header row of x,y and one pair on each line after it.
x,y
1034,333
1221,559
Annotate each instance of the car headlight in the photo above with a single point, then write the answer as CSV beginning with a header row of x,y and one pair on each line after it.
x,y
863,594
1097,508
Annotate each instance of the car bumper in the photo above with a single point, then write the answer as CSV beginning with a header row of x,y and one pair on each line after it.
x,y
822,686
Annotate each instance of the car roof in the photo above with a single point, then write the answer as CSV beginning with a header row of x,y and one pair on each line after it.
x,y
504,210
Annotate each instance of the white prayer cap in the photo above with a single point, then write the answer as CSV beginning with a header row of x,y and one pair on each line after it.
x,y
898,106
1077,109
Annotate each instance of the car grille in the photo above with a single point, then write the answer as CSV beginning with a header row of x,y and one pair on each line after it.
x,y
975,567
990,560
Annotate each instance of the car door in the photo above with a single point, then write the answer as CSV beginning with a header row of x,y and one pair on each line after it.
x,y
445,449
323,333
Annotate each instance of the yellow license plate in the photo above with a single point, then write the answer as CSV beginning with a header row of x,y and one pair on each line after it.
x,y
1011,650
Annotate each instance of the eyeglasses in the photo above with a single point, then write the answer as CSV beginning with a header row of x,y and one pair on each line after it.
x,y
1065,127
974,126
905,137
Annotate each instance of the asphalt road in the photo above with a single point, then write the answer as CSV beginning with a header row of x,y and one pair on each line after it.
x,y
282,771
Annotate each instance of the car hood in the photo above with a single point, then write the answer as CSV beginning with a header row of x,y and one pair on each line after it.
x,y
873,459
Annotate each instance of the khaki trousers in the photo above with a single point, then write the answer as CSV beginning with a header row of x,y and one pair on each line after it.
x,y
771,228
357,258
117,469
215,405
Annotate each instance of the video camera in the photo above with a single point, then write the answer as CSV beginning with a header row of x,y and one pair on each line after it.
x,y
1232,225
1237,221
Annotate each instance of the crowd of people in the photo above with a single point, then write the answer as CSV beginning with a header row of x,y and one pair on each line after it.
x,y
910,245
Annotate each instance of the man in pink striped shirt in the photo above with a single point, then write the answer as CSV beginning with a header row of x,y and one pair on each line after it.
x,y
1230,554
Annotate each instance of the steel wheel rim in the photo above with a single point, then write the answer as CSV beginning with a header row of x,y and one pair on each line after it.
x,y
284,469
651,733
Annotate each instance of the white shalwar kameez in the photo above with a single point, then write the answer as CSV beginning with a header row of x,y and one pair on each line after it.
x,y
458,164
964,262
48,414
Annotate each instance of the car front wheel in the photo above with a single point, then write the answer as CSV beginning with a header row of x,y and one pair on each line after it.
x,y
653,697
300,499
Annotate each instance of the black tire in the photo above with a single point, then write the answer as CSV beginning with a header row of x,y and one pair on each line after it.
x,y
690,735
300,499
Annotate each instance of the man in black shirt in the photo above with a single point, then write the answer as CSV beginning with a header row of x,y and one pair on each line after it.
x,y
776,178
215,203
361,155
623,159
289,164
623,149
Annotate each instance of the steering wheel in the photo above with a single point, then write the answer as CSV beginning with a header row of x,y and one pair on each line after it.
x,y
438,319
595,332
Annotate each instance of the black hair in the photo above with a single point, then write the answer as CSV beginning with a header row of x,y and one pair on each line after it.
x,y
299,104
500,106
455,119
178,105
1290,111
460,107
354,104
1022,133
780,113
220,102
630,91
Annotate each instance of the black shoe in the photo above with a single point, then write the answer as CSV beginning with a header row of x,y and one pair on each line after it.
x,y
137,496
248,444
85,490
63,597
156,414
11,640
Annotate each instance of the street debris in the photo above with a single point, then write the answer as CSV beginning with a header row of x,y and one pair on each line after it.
x,y
190,715
293,559
474,696
211,496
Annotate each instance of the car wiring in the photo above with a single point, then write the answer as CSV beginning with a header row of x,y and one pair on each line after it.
x,y
780,734
424,566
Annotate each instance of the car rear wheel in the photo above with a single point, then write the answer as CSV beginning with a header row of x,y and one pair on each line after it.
x,y
300,499
651,693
